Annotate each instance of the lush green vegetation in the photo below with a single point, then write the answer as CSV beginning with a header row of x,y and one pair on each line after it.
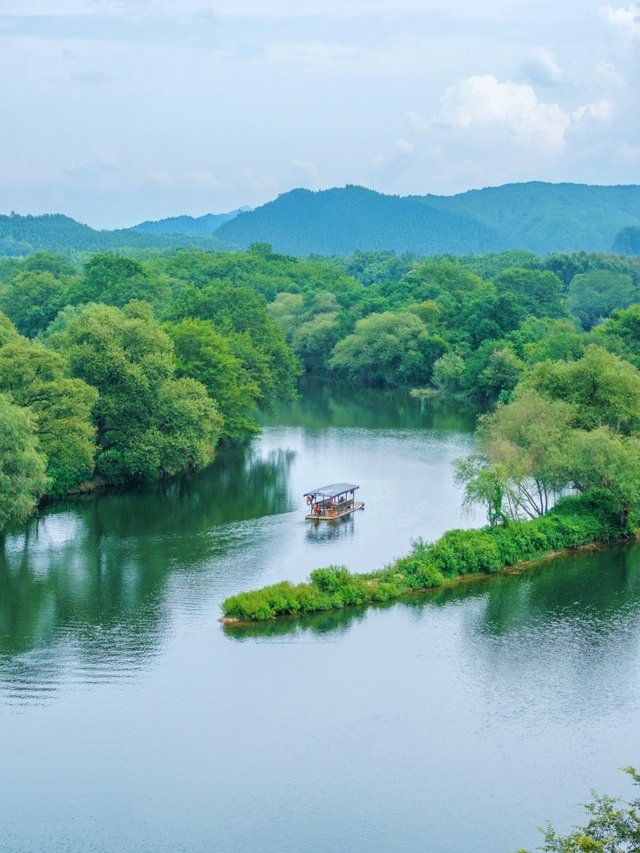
x,y
567,419
539,217
613,826
22,235
469,326
135,368
204,226
117,371
573,522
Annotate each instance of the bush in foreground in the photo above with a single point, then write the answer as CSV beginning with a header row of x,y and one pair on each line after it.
x,y
613,827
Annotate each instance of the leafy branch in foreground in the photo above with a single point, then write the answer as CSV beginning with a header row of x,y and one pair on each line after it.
x,y
613,827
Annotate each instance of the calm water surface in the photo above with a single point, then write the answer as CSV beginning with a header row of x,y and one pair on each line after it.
x,y
454,722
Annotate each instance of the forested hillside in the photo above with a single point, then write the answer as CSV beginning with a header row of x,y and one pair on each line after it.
x,y
536,216
203,226
546,218
22,235
341,221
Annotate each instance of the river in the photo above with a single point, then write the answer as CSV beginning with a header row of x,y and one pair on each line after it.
x,y
451,722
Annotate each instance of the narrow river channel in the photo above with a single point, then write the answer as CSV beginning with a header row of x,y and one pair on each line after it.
x,y
453,722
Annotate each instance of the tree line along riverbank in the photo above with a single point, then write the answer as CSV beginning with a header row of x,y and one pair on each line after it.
x,y
117,369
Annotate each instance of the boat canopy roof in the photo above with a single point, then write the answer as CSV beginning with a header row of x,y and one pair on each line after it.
x,y
332,490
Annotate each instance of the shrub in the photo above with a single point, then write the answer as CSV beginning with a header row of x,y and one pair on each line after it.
x,y
463,552
573,522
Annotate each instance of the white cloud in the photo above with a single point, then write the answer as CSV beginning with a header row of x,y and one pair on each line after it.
x,y
483,101
628,154
101,164
626,19
541,66
198,179
418,121
403,146
599,110
608,72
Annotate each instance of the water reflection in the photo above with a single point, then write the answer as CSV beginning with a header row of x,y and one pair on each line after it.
x,y
91,576
323,405
90,590
588,591
329,531
329,625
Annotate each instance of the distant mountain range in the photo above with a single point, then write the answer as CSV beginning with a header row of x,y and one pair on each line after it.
x,y
202,226
53,232
537,216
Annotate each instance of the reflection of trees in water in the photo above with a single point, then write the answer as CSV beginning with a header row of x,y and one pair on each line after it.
x,y
570,625
581,603
332,623
91,575
325,405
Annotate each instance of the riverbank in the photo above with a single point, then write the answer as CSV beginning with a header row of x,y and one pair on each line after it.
x,y
458,555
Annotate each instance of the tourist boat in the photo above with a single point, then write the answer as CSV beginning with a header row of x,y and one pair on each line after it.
x,y
330,502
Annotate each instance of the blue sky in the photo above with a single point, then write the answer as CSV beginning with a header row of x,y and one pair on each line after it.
x,y
116,111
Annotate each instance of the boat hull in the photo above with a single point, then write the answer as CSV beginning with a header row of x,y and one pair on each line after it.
x,y
339,513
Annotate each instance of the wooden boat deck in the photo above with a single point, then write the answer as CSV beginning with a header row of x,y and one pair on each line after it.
x,y
339,513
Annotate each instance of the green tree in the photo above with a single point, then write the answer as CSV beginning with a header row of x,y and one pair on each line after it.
x,y
241,315
22,466
387,349
115,280
491,370
595,295
7,330
149,423
38,379
524,446
32,301
483,484
620,334
448,373
613,826
606,465
604,389
314,340
537,292
543,339
287,310
206,355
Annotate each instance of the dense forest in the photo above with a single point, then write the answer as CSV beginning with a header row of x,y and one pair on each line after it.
x,y
115,370
539,217
20,236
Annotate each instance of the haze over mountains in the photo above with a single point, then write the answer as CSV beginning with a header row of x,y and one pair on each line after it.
x,y
540,217
204,226
536,216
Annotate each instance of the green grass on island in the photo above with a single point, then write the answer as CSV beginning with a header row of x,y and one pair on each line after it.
x,y
573,523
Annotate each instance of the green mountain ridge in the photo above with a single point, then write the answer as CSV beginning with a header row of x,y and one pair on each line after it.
x,y
536,216
203,226
55,232
341,221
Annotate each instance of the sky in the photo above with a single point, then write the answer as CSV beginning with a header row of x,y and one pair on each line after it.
x,y
116,111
